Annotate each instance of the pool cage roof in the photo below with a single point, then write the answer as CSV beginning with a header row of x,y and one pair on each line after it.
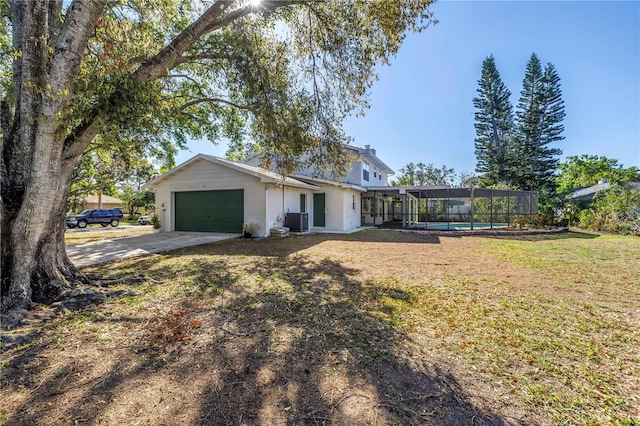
x,y
441,208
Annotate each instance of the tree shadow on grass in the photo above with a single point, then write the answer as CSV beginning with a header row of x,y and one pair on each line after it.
x,y
322,355
281,247
297,340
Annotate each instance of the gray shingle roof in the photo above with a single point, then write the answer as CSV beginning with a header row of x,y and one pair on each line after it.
x,y
263,174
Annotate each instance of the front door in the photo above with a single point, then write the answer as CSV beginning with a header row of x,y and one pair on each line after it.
x,y
318,210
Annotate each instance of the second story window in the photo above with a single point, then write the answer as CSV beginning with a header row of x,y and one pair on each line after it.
x,y
365,171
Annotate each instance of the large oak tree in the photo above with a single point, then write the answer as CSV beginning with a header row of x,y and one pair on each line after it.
x,y
280,74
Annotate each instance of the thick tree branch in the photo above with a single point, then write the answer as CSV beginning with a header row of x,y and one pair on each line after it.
x,y
211,20
166,59
80,21
77,141
55,11
212,56
214,100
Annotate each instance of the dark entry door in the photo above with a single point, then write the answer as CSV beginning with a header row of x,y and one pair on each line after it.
x,y
318,210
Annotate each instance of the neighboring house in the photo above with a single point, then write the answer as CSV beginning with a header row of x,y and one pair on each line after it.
x,y
92,202
212,194
587,193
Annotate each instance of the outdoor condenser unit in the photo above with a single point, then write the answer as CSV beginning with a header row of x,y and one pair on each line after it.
x,y
297,222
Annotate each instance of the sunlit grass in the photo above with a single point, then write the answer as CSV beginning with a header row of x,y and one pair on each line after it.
x,y
569,356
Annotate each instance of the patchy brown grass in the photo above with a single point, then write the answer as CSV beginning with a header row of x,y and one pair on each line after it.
x,y
96,233
378,327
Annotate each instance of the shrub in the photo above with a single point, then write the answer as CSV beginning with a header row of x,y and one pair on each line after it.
x,y
155,221
537,221
615,211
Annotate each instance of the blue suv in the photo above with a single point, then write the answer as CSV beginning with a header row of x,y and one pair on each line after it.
x,y
104,217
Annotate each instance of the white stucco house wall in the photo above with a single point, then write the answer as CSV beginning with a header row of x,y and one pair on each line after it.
x,y
212,194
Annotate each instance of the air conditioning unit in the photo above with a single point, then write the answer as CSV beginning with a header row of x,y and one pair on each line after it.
x,y
297,222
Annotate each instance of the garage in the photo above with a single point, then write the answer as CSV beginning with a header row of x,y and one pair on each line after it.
x,y
209,211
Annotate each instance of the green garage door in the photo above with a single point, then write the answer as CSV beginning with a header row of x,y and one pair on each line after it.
x,y
210,211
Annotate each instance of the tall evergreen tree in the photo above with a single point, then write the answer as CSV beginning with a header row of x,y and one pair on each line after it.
x,y
538,124
528,115
551,129
493,123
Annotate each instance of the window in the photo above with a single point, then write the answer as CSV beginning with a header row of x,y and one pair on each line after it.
x,y
353,202
379,176
303,203
365,171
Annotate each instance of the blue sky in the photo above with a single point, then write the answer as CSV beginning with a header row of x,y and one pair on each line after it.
x,y
422,104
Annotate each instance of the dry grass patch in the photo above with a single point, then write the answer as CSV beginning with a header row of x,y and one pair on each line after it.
x,y
81,237
378,327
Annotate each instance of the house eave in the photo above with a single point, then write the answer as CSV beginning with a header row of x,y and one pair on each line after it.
x,y
342,185
291,184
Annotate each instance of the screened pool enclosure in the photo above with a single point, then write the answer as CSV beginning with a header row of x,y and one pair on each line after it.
x,y
434,208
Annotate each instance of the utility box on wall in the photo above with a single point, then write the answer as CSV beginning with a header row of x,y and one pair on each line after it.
x,y
297,222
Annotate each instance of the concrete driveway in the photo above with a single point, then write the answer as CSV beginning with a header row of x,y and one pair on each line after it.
x,y
123,248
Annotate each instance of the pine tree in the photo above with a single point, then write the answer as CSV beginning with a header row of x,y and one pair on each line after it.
x,y
538,124
493,123
527,124
551,129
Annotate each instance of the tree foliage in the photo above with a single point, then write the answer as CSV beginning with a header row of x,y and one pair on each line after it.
x,y
494,125
587,170
538,124
142,77
425,174
421,174
614,209
137,200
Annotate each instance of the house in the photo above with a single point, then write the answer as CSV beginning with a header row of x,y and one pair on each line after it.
x,y
587,193
212,194
92,202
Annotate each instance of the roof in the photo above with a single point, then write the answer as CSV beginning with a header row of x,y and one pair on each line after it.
x,y
106,199
342,185
265,176
588,192
408,188
369,154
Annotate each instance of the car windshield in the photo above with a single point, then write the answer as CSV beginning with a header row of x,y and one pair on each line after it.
x,y
86,212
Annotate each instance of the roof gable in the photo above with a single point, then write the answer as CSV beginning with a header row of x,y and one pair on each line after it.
x,y
264,175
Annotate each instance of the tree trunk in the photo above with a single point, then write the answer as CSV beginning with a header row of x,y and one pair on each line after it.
x,y
40,151
35,168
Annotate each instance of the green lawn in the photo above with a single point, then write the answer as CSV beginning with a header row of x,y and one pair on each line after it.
x,y
378,327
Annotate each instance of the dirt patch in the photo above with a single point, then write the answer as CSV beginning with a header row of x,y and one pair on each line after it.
x,y
370,328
